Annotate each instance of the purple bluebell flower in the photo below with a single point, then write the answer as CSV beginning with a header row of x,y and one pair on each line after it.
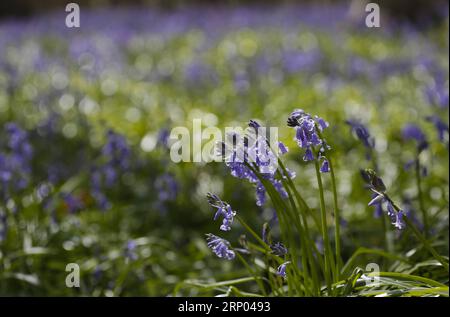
x,y
260,194
362,133
281,271
254,124
283,148
15,162
379,196
96,189
307,129
390,210
167,187
441,126
437,94
378,211
73,203
413,132
245,153
398,220
278,249
407,166
280,188
115,160
375,200
220,247
130,251
308,155
163,137
116,150
325,168
223,209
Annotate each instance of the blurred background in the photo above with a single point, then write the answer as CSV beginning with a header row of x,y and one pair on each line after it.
x,y
85,115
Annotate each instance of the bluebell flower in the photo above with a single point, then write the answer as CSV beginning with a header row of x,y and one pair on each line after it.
x,y
378,211
254,124
130,251
278,249
223,210
398,220
167,187
116,150
379,196
163,137
413,132
437,94
362,133
390,210
260,194
96,189
307,129
376,200
308,155
253,149
115,160
73,203
407,166
220,247
283,148
15,162
278,185
441,126
325,168
281,271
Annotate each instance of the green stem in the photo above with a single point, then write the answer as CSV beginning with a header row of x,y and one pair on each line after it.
x,y
257,278
253,233
327,253
425,243
304,244
420,197
419,235
337,221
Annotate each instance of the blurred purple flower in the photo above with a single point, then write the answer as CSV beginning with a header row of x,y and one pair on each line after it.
x,y
413,132
167,187
441,126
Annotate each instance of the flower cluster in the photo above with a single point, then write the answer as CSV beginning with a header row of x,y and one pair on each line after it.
x,y
441,126
130,250
15,161
166,187
362,133
116,159
220,247
245,154
413,132
308,136
377,186
279,249
223,209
